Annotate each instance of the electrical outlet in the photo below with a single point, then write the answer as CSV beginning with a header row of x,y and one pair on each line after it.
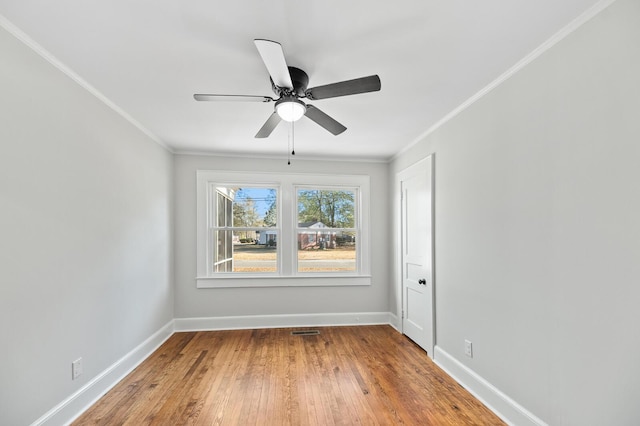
x,y
468,348
76,368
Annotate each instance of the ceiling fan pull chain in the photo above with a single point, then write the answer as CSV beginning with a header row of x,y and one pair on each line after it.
x,y
289,144
293,139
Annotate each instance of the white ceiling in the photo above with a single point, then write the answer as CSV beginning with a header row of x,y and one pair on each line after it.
x,y
148,57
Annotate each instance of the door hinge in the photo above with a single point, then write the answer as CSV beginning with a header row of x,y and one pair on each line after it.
x,y
402,315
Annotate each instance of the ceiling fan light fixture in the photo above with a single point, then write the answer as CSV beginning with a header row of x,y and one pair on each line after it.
x,y
290,109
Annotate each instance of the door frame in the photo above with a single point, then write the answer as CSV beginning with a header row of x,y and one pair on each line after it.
x,y
399,290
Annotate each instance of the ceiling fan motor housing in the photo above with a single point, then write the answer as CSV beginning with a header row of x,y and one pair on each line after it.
x,y
300,81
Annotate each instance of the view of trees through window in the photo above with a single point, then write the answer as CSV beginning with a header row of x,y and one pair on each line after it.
x,y
333,208
254,208
248,240
326,231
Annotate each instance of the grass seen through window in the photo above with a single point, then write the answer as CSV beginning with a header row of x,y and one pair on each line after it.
x,y
251,258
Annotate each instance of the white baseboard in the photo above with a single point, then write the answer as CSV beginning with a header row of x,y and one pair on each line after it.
x,y
394,322
69,409
281,321
503,406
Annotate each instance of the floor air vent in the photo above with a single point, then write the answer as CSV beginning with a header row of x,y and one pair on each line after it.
x,y
305,332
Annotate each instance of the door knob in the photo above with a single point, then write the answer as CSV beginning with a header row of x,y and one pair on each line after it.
x,y
422,281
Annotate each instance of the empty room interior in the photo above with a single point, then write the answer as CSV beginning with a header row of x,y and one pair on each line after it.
x,y
464,176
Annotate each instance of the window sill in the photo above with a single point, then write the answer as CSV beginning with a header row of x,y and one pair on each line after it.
x,y
245,281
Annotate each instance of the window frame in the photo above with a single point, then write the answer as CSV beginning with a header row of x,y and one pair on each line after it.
x,y
286,185
214,226
298,230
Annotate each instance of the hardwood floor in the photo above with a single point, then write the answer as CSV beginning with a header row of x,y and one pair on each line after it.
x,y
366,375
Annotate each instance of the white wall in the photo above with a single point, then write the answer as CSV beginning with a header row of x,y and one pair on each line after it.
x,y
85,235
221,302
538,229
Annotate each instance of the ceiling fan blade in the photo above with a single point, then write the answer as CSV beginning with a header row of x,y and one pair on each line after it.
x,y
273,57
344,88
324,120
232,98
268,126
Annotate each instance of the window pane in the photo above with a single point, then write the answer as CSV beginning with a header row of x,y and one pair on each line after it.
x,y
253,207
324,250
326,208
323,244
228,212
250,255
246,250
224,258
221,208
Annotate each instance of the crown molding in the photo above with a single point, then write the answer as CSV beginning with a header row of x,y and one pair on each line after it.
x,y
294,158
552,41
41,51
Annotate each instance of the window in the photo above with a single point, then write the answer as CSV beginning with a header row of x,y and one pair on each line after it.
x,y
244,229
263,229
326,232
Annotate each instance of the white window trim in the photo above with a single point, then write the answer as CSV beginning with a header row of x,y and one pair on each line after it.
x,y
286,184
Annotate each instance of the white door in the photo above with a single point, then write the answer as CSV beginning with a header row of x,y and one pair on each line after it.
x,y
418,319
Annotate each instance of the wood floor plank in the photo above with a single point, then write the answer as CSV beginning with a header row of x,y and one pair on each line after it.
x,y
365,375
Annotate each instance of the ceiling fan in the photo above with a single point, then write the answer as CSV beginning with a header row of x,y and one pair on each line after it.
x,y
290,86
